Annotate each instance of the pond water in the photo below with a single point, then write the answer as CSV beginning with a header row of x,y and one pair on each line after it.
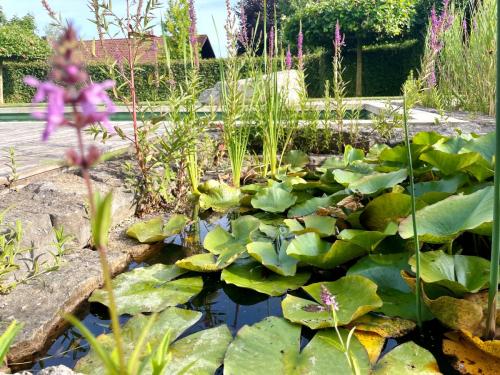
x,y
126,116
220,303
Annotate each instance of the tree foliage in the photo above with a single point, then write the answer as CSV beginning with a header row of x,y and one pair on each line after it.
x,y
176,27
18,40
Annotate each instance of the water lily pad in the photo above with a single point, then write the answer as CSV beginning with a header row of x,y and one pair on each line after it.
x,y
314,204
384,326
448,163
323,225
407,358
458,314
218,196
276,198
150,289
356,295
277,260
366,239
458,273
183,359
206,262
230,246
296,159
484,145
445,220
473,356
155,230
253,275
386,209
276,345
372,342
446,185
311,249
376,182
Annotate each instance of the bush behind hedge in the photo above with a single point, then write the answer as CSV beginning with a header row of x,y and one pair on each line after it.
x,y
385,70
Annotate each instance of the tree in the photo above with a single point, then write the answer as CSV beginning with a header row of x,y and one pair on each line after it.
x,y
361,20
18,41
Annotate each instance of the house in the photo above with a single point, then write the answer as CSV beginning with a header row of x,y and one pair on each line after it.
x,y
149,52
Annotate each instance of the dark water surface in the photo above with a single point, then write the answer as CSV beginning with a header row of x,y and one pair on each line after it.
x,y
220,303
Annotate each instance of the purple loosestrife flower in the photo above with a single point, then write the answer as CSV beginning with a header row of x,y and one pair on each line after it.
x,y
193,38
300,55
243,32
271,42
68,86
329,299
439,25
339,38
288,59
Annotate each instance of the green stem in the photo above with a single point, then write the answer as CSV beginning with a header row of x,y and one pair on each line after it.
x,y
413,213
495,246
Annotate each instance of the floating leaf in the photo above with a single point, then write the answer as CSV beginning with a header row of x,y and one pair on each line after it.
x,y
448,163
458,314
277,260
407,358
296,159
446,185
276,198
253,275
445,220
458,273
155,230
323,225
314,204
173,320
377,181
218,196
484,145
365,239
150,289
356,296
276,345
372,342
206,262
384,326
469,353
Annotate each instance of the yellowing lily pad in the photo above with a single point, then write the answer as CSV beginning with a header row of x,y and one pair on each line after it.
x,y
206,262
372,342
384,326
218,196
155,230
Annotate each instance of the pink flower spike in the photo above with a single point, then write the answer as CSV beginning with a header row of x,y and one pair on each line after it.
x,y
288,59
93,95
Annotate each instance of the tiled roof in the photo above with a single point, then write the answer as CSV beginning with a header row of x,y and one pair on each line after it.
x,y
149,50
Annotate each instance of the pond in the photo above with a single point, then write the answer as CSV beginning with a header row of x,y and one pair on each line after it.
x,y
220,303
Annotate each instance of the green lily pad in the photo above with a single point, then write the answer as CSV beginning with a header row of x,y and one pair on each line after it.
x,y
458,273
346,177
296,159
276,345
366,239
253,275
484,145
446,185
276,198
323,225
183,359
218,196
445,220
230,247
276,260
376,182
155,230
407,359
352,155
311,249
385,270
150,289
389,208
356,295
206,262
314,204
427,138
448,163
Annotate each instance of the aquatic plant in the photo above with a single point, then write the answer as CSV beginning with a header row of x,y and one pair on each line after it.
x,y
7,338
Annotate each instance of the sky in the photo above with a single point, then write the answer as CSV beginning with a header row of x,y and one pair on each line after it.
x,y
79,13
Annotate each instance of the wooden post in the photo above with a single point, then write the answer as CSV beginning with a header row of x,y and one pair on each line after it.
x,y
359,67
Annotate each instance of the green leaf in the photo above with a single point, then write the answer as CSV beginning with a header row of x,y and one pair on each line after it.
x,y
276,344
314,204
101,219
206,262
365,239
150,289
446,185
252,275
458,273
172,319
356,295
7,338
323,225
484,145
352,155
406,359
296,159
310,249
276,260
446,219
376,182
155,230
448,163
218,196
275,198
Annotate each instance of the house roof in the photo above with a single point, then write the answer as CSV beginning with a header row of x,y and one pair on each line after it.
x,y
150,49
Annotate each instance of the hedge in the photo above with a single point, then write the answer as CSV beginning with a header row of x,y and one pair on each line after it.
x,y
385,70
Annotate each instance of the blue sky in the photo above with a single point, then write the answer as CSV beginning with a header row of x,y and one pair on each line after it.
x,y
78,12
